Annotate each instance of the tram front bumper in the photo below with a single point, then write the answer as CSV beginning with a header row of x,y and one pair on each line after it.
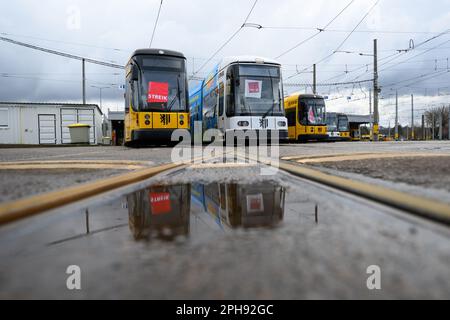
x,y
152,135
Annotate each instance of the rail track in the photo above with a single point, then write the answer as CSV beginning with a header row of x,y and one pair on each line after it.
x,y
410,204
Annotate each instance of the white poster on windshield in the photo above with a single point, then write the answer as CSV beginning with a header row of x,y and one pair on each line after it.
x,y
253,89
255,203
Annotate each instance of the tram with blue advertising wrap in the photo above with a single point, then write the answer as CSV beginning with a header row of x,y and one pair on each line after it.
x,y
241,94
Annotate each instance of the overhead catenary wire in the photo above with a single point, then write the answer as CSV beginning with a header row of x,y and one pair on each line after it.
x,y
63,54
345,40
156,23
287,84
345,30
320,30
397,55
226,42
79,44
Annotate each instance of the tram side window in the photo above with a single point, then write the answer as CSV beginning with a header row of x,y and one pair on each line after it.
x,y
210,102
221,98
302,113
127,97
230,93
135,93
290,115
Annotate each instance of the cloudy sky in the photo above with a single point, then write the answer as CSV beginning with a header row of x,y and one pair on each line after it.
x,y
111,30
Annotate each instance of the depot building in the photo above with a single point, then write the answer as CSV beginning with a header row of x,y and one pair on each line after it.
x,y
47,123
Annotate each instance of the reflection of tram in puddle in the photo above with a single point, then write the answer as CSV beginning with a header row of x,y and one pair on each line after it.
x,y
245,206
160,212
163,212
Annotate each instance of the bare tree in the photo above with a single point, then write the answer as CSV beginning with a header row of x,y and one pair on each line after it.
x,y
435,114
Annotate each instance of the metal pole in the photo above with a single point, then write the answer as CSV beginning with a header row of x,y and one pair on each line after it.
x,y
389,130
375,91
83,62
370,111
314,79
396,116
412,117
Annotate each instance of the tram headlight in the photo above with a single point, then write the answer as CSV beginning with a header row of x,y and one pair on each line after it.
x,y
181,117
282,123
147,117
147,122
243,123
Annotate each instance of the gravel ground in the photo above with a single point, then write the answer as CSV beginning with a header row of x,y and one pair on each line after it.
x,y
429,172
161,155
156,155
16,184
349,147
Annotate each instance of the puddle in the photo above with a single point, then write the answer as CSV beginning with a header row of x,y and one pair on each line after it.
x,y
146,225
165,212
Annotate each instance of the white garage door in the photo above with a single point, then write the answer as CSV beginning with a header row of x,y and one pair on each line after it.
x,y
47,128
72,116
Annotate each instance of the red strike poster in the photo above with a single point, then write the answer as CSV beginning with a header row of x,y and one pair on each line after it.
x,y
160,203
158,92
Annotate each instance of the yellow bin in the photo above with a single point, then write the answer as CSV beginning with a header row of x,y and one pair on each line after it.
x,y
80,133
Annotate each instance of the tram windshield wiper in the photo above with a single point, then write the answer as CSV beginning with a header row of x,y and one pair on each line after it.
x,y
270,110
169,108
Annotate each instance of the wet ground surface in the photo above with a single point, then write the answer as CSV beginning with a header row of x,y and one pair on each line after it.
x,y
190,236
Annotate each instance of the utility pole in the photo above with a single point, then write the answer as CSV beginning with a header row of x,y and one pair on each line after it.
x,y
370,111
314,79
389,130
412,117
396,116
83,62
376,116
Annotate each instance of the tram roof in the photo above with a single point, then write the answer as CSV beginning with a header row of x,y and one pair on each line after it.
x,y
247,59
158,52
305,95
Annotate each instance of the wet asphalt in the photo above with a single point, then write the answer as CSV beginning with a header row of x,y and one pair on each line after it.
x,y
247,238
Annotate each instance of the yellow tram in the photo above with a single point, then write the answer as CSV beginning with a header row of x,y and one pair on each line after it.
x,y
306,117
156,96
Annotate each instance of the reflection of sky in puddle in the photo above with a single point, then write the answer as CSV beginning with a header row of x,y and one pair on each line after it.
x,y
165,212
